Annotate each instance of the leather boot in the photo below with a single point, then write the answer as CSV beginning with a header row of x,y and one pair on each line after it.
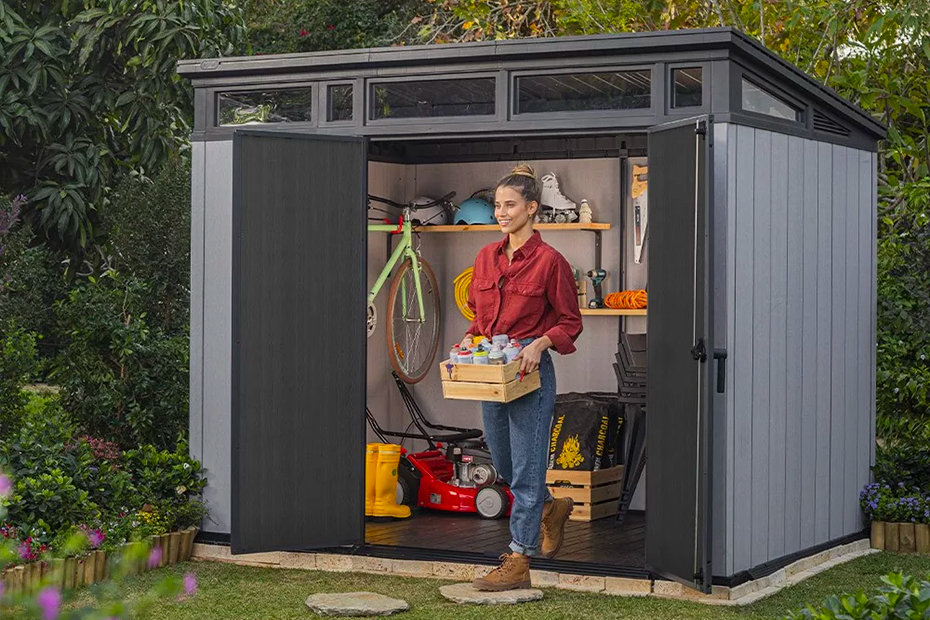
x,y
371,470
385,504
512,574
555,515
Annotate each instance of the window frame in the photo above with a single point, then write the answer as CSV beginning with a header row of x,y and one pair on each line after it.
x,y
325,101
371,82
314,87
801,117
670,68
514,94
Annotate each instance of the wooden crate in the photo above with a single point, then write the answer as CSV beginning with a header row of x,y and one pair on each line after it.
x,y
494,383
596,493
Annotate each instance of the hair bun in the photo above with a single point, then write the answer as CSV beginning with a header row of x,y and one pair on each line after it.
x,y
524,170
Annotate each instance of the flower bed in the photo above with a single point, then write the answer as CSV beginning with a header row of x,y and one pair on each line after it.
x,y
94,565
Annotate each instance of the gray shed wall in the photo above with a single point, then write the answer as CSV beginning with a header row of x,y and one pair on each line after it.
x,y
798,433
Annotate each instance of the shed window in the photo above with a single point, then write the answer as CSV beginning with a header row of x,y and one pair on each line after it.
x,y
757,99
687,88
577,92
433,98
292,105
339,98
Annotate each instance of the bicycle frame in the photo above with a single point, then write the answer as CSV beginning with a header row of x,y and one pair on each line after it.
x,y
405,249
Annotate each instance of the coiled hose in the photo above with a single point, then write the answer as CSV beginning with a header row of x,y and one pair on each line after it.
x,y
626,300
462,285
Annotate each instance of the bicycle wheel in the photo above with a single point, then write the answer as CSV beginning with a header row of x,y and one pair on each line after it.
x,y
412,340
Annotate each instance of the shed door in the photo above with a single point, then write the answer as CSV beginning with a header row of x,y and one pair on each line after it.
x,y
299,345
678,401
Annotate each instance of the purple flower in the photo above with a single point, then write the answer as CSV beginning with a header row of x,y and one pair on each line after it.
x,y
49,599
96,538
190,584
154,557
6,485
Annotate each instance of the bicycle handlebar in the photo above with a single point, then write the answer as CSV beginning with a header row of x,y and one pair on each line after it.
x,y
412,206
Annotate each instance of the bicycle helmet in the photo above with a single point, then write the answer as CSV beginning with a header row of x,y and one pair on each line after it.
x,y
475,211
437,214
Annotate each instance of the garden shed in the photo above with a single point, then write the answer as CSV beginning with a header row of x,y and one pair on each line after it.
x,y
759,260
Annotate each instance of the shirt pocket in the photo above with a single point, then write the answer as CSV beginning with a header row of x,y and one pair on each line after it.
x,y
484,295
530,300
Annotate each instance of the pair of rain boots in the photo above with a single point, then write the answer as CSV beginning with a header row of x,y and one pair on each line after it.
x,y
381,462
514,570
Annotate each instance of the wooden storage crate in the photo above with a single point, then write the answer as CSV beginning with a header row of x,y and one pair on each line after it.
x,y
489,382
596,493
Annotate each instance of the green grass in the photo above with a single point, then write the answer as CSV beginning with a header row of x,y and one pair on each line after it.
x,y
243,593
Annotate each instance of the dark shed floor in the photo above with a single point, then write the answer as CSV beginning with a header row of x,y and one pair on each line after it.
x,y
603,542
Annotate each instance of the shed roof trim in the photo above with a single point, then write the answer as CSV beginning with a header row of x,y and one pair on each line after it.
x,y
515,49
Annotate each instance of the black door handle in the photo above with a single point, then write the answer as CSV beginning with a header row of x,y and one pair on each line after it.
x,y
721,356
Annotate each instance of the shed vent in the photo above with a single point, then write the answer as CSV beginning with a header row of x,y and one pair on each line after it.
x,y
824,124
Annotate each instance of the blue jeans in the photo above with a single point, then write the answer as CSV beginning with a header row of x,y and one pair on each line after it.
x,y
517,434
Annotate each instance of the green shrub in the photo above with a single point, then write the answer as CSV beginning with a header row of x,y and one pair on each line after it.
x,y
165,474
121,379
907,465
902,597
148,228
18,364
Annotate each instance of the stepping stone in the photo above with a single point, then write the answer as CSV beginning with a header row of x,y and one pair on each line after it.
x,y
355,604
466,593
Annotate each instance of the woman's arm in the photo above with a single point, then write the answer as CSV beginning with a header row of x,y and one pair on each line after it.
x,y
563,295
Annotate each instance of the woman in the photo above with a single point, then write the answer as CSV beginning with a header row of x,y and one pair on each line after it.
x,y
524,288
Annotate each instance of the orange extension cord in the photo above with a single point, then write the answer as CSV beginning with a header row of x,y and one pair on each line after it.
x,y
626,300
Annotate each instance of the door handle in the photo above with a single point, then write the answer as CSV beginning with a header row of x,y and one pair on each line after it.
x,y
721,356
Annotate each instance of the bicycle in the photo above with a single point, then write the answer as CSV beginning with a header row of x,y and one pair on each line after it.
x,y
414,314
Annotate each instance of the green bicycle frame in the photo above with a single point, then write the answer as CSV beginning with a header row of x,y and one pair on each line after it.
x,y
404,248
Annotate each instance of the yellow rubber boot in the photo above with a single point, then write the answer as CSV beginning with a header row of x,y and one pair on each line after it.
x,y
371,472
386,484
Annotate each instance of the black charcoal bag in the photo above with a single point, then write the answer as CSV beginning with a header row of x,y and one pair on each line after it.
x,y
585,431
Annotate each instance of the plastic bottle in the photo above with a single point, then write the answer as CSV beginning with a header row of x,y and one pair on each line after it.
x,y
480,357
465,357
512,350
454,354
497,356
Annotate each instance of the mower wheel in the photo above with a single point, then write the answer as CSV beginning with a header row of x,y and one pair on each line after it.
x,y
491,502
408,485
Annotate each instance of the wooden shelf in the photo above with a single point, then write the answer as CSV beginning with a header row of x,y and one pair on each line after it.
x,y
611,312
496,228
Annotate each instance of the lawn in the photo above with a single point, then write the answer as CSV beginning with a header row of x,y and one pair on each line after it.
x,y
228,592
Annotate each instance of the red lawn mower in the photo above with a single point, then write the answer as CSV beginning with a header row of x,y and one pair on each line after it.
x,y
455,472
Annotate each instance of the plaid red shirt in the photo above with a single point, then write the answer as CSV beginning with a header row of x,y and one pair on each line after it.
x,y
533,296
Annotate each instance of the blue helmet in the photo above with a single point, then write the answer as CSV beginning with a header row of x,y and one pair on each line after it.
x,y
475,211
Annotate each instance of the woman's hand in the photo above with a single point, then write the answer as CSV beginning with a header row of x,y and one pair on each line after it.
x,y
466,341
530,355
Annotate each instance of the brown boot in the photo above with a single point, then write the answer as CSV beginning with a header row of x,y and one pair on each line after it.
x,y
555,514
512,574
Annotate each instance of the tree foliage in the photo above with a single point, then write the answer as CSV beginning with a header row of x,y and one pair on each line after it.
x,y
89,89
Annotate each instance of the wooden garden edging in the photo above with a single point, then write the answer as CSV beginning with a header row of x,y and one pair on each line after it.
x,y
94,566
901,537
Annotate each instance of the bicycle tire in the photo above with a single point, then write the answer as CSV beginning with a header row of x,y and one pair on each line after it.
x,y
398,330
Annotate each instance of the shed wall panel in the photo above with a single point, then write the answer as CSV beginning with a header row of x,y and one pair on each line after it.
x,y
800,311
793,333
195,403
824,322
778,345
741,350
838,346
217,332
761,341
809,382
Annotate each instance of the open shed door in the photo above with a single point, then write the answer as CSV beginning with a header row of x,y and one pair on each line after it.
x,y
299,341
679,397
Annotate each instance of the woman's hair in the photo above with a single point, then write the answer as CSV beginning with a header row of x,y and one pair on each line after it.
x,y
523,179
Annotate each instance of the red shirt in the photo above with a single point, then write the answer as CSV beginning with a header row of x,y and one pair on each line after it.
x,y
533,296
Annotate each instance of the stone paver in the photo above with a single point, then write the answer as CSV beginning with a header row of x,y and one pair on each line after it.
x,y
355,604
466,593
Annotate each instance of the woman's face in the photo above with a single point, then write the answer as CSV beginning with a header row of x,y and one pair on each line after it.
x,y
512,211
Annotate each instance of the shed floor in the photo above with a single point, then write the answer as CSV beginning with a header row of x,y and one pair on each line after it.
x,y
602,542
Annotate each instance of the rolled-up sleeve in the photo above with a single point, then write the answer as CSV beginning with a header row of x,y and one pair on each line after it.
x,y
473,329
563,296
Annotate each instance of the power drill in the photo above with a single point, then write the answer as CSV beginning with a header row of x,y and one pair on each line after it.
x,y
597,277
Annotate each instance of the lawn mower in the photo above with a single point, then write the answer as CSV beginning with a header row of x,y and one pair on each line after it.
x,y
454,473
